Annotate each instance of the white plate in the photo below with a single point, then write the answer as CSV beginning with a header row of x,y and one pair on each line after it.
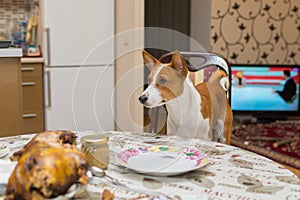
x,y
4,150
162,160
6,169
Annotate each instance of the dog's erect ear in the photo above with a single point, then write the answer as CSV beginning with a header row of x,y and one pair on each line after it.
x,y
179,64
149,60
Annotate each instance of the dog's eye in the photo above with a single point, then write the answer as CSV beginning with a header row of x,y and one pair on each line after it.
x,y
162,81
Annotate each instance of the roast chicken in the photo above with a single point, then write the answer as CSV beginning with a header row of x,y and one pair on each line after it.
x,y
47,167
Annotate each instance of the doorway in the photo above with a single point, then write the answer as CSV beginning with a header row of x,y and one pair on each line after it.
x,y
171,18
167,14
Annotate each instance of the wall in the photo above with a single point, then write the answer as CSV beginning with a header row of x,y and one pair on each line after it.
x,y
261,31
200,24
11,11
129,78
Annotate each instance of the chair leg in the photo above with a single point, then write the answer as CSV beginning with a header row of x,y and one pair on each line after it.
x,y
154,119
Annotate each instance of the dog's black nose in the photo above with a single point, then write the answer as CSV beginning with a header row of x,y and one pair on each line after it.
x,y
143,99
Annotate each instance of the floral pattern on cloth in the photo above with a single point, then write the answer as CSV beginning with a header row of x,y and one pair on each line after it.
x,y
189,153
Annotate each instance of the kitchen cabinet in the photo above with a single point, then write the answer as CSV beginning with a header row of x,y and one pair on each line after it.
x,y
22,96
79,68
11,100
32,97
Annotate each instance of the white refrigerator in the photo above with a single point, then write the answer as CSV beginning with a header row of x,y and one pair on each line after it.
x,y
79,64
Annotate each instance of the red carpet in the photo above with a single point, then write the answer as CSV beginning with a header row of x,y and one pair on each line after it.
x,y
279,141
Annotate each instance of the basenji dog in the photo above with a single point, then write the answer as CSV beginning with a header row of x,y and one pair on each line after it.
x,y
200,111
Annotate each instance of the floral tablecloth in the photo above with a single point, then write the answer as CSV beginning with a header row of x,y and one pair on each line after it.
x,y
232,173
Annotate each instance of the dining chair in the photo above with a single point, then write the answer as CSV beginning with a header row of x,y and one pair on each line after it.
x,y
196,61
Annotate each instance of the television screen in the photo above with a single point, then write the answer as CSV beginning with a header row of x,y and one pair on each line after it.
x,y
265,88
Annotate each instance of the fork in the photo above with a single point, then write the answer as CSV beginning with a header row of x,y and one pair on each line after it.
x,y
98,172
155,195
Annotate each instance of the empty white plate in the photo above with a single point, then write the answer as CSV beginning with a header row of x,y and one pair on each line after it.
x,y
6,169
4,150
162,160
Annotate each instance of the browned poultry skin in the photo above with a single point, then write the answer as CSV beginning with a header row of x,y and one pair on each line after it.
x,y
47,167
52,138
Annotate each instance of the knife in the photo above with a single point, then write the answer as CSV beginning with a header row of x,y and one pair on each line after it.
x,y
3,189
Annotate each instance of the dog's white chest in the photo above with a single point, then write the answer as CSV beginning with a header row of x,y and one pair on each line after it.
x,y
184,116
195,128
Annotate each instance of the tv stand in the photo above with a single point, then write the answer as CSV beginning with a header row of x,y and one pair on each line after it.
x,y
244,119
252,119
270,119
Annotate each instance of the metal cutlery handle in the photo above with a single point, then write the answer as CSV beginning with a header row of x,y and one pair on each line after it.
x,y
3,187
97,172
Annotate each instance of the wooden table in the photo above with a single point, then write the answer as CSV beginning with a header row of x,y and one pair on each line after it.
x,y
232,173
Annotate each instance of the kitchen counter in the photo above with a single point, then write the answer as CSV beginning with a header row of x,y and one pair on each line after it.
x,y
17,52
10,52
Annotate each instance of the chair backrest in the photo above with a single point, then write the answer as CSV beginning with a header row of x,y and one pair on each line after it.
x,y
208,59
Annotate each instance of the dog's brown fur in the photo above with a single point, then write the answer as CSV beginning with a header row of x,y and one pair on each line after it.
x,y
217,106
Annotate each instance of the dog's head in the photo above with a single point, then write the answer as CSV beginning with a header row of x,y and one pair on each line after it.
x,y
165,81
